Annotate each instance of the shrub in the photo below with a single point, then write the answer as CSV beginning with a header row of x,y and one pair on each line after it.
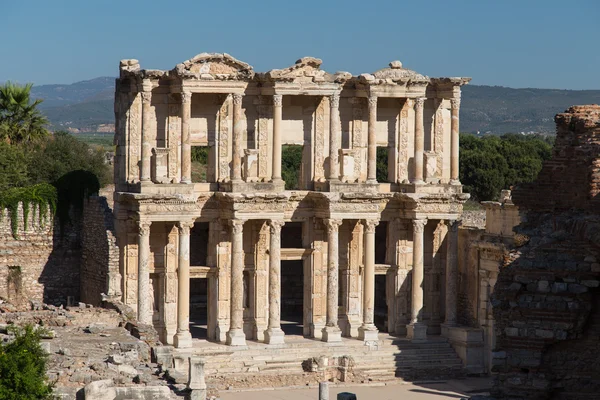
x,y
23,367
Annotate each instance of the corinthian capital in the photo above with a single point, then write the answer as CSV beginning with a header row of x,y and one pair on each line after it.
x,y
370,225
332,225
275,226
419,102
144,228
419,225
237,99
372,101
146,97
455,102
334,100
186,97
277,100
453,225
237,225
184,227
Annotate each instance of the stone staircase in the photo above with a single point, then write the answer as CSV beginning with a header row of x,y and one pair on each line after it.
x,y
389,358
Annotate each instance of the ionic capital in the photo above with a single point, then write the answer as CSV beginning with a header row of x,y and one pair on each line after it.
x,y
332,225
370,225
455,102
453,225
184,227
372,101
277,100
144,228
237,225
186,97
419,225
275,226
237,99
419,102
334,100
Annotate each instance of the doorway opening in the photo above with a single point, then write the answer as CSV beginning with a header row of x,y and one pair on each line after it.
x,y
292,296
381,308
199,307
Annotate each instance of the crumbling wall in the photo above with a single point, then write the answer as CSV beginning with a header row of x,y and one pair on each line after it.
x,y
547,297
100,253
38,263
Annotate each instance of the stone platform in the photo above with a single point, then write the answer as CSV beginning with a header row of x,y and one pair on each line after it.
x,y
388,358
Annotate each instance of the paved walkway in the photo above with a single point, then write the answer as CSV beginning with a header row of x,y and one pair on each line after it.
x,y
452,389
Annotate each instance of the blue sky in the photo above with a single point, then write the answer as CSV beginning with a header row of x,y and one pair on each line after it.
x,y
524,43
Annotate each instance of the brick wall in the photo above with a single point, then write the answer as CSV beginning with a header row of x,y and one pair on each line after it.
x,y
39,263
100,254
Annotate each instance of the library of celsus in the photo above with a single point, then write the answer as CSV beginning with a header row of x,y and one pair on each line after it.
x,y
353,247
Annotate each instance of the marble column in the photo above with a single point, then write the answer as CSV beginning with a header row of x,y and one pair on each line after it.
x,y
334,136
183,337
454,135
144,302
277,120
372,141
236,163
146,123
186,147
235,335
419,140
451,273
368,332
274,334
417,330
331,332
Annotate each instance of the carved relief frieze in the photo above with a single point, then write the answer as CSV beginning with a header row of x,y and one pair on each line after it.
x,y
403,142
224,140
319,146
438,137
135,135
265,114
357,137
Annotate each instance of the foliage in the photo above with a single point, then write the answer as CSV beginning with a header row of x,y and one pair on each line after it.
x,y
382,164
491,163
200,154
13,166
23,366
20,119
42,195
62,154
291,165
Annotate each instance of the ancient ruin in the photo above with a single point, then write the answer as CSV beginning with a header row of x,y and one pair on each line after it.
x,y
325,250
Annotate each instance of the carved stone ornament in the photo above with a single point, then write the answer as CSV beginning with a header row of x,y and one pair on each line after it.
x,y
419,225
186,97
453,224
372,101
237,226
334,100
184,227
275,226
144,228
332,224
277,100
419,102
237,99
370,225
146,97
455,102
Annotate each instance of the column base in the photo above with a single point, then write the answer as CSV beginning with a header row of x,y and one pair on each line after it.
x,y
236,337
372,182
274,336
417,182
454,182
332,334
368,333
182,340
416,332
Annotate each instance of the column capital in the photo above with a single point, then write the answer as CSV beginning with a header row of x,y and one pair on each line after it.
x,y
419,102
237,99
277,100
186,97
370,225
455,102
334,100
453,224
144,227
184,226
332,224
146,97
237,225
275,226
372,100
419,225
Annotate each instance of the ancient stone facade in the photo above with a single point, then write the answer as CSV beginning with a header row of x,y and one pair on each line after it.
x,y
340,215
546,299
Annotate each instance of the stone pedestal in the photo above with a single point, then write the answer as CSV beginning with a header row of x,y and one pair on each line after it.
x,y
468,344
416,332
196,382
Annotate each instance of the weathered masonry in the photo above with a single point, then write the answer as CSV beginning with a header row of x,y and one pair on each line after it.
x,y
343,254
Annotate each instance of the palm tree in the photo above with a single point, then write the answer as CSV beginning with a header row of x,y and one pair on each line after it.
x,y
20,121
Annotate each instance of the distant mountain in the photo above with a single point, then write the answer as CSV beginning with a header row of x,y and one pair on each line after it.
x,y
87,106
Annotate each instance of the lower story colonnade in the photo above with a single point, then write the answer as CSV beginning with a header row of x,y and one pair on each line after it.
x,y
369,272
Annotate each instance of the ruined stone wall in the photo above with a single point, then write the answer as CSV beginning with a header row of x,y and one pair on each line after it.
x,y
100,253
39,263
545,302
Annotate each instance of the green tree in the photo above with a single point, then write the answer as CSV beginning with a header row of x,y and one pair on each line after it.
x,y
13,166
291,163
23,367
20,119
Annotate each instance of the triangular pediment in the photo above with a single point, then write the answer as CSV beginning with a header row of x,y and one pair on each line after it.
x,y
217,65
